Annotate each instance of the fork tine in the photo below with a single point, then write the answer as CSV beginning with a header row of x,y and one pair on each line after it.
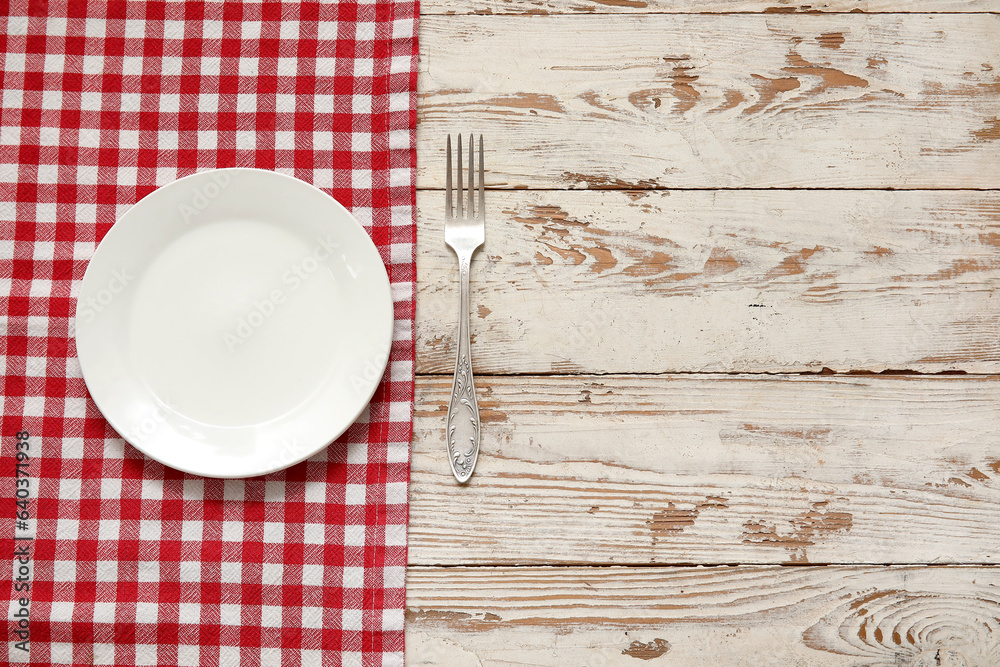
x,y
460,195
482,192
447,183
472,181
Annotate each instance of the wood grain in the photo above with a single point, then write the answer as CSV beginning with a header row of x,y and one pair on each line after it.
x,y
721,281
733,101
545,7
734,469
896,616
625,135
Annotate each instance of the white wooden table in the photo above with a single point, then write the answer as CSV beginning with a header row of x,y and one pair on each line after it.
x,y
737,311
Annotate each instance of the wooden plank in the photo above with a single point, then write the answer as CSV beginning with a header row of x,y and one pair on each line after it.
x,y
721,281
725,469
545,7
734,101
740,616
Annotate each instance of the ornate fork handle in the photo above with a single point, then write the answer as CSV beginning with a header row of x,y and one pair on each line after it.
x,y
463,410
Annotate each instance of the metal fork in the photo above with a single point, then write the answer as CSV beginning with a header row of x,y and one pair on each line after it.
x,y
464,232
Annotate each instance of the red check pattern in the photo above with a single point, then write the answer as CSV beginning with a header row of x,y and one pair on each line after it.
x,y
133,563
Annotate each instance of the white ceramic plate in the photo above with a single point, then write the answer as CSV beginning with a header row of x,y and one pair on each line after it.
x,y
234,322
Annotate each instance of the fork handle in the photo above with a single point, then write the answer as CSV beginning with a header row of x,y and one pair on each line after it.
x,y
463,410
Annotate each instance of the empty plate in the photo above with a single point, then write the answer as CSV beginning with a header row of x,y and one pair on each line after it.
x,y
234,322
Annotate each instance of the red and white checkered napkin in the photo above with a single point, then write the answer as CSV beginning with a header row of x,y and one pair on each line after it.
x,y
133,563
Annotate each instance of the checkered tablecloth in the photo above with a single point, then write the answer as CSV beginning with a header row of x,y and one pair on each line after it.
x,y
129,562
